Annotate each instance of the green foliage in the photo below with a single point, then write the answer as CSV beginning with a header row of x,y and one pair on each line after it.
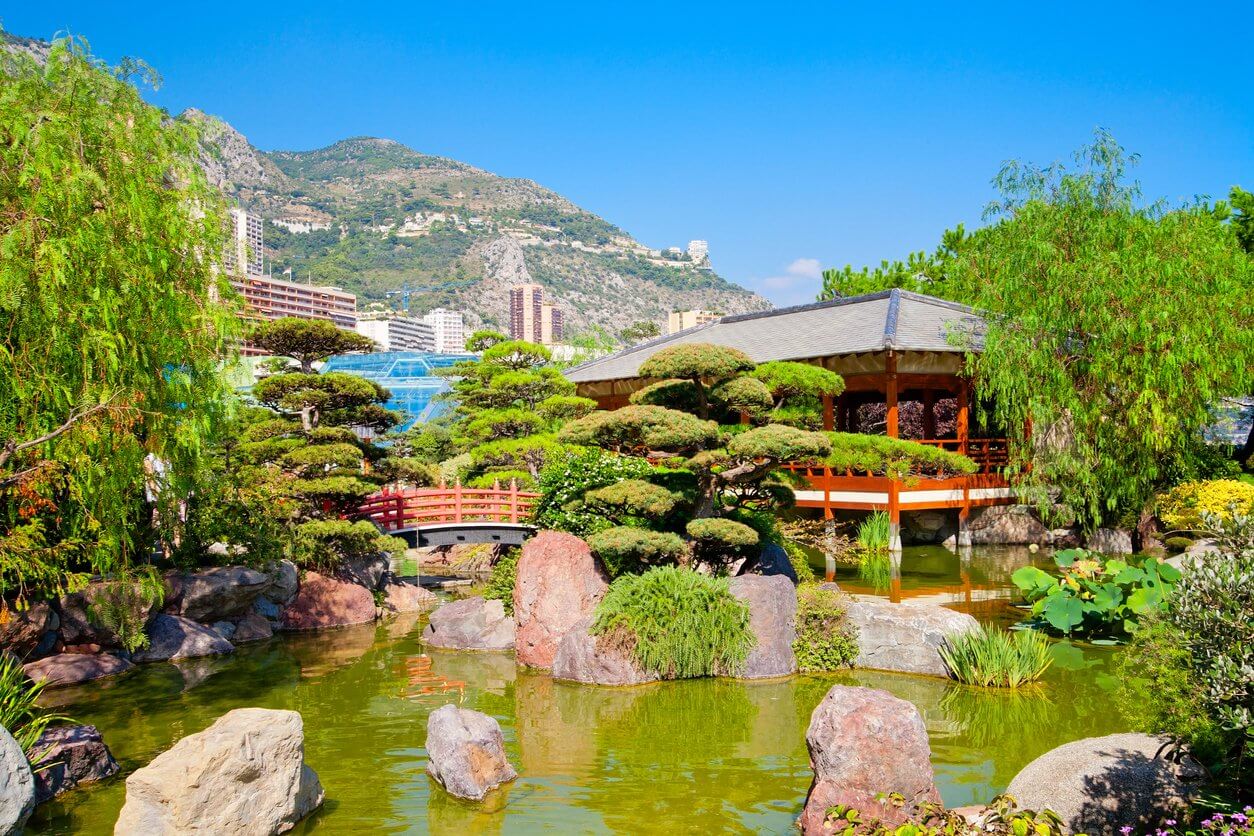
x,y
307,341
517,355
20,712
529,453
873,531
826,641
483,339
677,623
640,331
633,550
800,562
641,429
895,457
502,479
496,424
1092,596
634,498
788,381
673,394
1001,817
339,397
696,361
563,408
1184,506
323,545
717,542
996,658
1242,206
746,395
779,443
500,585
569,475
122,607
111,347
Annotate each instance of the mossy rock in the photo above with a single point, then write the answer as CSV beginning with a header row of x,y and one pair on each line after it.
x,y
1177,544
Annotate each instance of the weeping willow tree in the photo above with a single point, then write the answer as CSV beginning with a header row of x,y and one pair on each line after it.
x,y
1113,324
111,338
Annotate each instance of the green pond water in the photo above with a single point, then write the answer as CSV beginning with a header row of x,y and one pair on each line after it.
x,y
719,755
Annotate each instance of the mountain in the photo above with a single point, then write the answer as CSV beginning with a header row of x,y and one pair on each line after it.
x,y
372,216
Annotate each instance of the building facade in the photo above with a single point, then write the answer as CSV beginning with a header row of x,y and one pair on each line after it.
x,y
399,333
448,330
552,324
683,320
533,319
245,253
699,251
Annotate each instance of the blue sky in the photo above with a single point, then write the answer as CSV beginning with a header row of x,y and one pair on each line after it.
x,y
791,136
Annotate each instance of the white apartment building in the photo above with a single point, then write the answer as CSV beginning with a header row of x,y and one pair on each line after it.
x,y
449,330
399,333
683,320
699,251
245,254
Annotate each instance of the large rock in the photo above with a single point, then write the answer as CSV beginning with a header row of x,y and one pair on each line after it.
x,y
400,596
17,785
251,628
1101,784
368,571
772,604
215,594
771,560
75,755
24,630
904,637
1006,525
558,583
582,657
1110,541
471,624
284,582
928,526
245,774
466,752
75,668
864,742
324,601
174,637
79,627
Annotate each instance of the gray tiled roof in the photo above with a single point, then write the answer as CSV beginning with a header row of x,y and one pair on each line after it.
x,y
896,319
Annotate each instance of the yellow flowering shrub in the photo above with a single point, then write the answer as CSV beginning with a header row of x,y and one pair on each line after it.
x,y
1181,508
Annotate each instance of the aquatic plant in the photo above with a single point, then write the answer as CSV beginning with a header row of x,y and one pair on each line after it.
x,y
873,532
676,623
876,568
1092,595
19,709
1002,817
826,641
996,658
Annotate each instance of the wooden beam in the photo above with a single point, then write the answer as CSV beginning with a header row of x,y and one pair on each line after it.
x,y
929,413
890,377
964,418
829,418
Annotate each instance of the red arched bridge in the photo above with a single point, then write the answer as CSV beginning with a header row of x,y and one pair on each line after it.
x,y
446,516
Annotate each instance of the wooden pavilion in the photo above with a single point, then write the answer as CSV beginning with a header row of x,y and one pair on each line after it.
x,y
904,377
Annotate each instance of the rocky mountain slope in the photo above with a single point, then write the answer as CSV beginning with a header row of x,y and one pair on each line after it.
x,y
373,216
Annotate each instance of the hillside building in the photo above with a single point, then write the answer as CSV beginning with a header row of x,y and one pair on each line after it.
x,y
552,324
683,320
398,333
533,319
699,251
449,330
245,251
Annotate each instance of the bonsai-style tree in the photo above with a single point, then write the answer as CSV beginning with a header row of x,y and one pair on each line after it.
x,y
482,340
344,398
307,341
640,331
702,365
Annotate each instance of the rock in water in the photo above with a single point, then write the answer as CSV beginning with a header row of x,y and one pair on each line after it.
x,y
252,628
582,657
466,752
245,774
471,624
904,637
172,637
559,582
1110,541
215,594
75,668
76,754
369,572
864,742
772,604
324,601
1101,784
17,785
284,582
400,596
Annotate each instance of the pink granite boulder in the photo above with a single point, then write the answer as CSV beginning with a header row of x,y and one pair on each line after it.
x,y
323,601
559,583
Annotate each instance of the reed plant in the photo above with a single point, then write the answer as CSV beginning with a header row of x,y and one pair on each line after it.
x,y
873,531
19,712
997,658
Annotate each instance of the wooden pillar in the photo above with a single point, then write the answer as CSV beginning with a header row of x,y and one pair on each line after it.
x,y
894,516
929,413
890,384
829,418
964,410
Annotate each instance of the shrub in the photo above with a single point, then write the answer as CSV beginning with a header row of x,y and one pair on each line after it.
x,y
696,360
787,380
324,545
799,560
501,582
123,606
634,498
568,476
1000,818
676,623
502,479
640,430
674,394
744,394
779,442
895,457
1178,544
19,709
625,549
1182,507
996,658
718,541
1090,595
826,641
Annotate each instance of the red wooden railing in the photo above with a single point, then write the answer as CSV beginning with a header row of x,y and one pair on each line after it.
x,y
393,509
989,453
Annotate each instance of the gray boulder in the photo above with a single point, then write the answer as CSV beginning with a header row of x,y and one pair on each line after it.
x,y
284,582
471,624
251,628
75,668
24,630
904,637
864,742
1100,784
172,637
245,774
1006,525
215,594
75,755
466,752
581,657
78,626
1110,541
368,571
17,785
772,604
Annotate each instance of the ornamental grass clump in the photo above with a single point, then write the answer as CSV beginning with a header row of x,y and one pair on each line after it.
x,y
997,658
676,623
873,531
19,712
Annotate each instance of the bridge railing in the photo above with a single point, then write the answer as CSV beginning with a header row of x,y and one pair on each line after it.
x,y
393,509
